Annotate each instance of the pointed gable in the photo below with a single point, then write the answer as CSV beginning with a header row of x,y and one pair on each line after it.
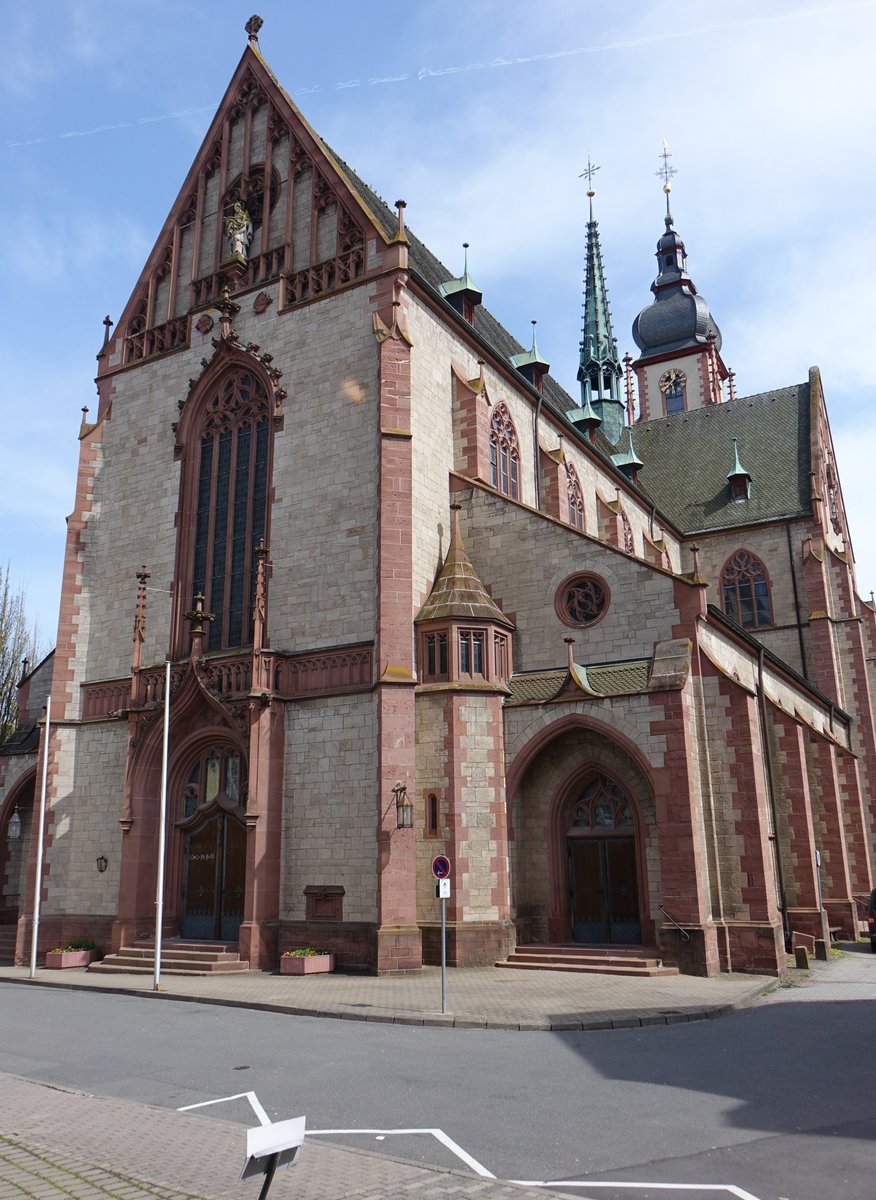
x,y
311,230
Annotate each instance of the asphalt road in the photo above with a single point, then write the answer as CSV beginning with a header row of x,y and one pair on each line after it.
x,y
776,1100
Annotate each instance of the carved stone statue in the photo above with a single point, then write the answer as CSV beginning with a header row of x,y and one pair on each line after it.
x,y
238,230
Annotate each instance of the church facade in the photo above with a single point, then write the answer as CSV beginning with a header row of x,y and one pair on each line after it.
x,y
606,654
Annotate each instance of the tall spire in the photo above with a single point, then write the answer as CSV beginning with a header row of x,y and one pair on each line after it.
x,y
599,370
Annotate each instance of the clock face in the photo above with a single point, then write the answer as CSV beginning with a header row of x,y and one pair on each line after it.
x,y
672,381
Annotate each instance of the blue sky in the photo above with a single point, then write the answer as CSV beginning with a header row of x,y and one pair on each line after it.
x,y
480,114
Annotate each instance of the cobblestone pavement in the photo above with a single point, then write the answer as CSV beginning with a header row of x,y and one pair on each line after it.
x,y
60,1144
477,997
850,975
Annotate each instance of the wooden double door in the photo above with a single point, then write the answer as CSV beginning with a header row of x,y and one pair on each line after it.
x,y
215,875
604,890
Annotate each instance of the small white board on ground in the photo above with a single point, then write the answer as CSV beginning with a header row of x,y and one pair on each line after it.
x,y
272,1147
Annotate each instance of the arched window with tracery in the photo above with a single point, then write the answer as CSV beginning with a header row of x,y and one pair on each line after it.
x,y
504,453
229,508
576,498
745,591
602,807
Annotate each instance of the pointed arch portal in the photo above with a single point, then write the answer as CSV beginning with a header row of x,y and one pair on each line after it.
x,y
601,854
213,847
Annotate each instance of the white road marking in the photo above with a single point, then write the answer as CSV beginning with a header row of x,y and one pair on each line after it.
x,y
438,1134
262,1116
729,1189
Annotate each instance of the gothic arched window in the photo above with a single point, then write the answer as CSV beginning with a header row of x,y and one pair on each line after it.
x,y
231,503
504,455
576,499
745,591
602,807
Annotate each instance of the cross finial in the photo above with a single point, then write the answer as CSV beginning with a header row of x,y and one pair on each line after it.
x,y
252,28
588,173
666,172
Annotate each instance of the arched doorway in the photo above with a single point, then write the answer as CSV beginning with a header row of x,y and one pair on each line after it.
x,y
213,836
600,835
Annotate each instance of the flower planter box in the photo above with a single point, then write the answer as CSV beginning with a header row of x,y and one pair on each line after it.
x,y
306,964
57,960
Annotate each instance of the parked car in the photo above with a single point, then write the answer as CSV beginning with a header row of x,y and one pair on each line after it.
x,y
871,920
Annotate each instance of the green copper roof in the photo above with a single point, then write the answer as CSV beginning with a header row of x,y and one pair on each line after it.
x,y
684,456
530,357
465,283
737,469
627,458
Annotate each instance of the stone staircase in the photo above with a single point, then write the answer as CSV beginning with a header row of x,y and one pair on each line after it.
x,y
7,945
177,958
590,960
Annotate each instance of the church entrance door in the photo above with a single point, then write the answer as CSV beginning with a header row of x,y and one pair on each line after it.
x,y
215,870
603,877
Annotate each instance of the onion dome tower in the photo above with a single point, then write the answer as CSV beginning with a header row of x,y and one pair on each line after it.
x,y
680,366
599,370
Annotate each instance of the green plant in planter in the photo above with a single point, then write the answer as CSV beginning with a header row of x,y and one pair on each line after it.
x,y
81,944
305,952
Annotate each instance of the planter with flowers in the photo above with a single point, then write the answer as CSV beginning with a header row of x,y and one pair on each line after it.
x,y
78,952
306,960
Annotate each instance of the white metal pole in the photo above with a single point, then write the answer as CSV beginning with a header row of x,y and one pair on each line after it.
x,y
443,955
162,811
38,886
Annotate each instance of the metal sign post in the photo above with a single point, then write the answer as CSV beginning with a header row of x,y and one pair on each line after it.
x,y
441,871
38,885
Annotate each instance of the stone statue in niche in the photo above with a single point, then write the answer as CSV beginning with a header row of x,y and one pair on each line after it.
x,y
238,230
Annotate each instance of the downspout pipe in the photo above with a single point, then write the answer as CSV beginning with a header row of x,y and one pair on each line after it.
x,y
536,468
796,601
771,794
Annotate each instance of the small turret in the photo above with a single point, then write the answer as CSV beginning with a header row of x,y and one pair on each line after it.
x,y
462,294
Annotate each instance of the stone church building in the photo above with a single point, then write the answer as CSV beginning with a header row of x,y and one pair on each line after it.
x,y
604,652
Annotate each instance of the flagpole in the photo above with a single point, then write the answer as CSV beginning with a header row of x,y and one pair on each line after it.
x,y
162,811
38,886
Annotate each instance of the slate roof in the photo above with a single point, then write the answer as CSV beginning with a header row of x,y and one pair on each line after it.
x,y
23,740
433,272
686,458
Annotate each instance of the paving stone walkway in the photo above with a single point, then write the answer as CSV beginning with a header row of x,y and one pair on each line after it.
x,y
60,1144
477,997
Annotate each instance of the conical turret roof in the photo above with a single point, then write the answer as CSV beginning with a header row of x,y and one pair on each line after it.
x,y
458,593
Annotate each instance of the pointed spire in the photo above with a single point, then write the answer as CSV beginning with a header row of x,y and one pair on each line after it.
x,y
599,369
462,293
530,363
457,591
627,461
738,478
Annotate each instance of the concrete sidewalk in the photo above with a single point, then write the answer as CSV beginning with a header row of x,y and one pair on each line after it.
x,y
477,997
64,1145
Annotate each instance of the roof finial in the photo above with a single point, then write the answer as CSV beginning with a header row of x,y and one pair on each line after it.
x,y
589,172
252,28
666,172
534,342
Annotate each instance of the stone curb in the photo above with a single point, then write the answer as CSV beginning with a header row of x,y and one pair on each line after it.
x,y
438,1020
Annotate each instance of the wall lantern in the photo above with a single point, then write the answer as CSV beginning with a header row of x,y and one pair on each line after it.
x,y
404,810
13,829
102,863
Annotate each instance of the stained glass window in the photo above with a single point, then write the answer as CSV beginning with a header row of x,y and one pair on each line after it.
x,y
603,805
504,454
745,591
582,601
231,505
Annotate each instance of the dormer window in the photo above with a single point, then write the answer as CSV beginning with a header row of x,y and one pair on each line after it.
x,y
740,489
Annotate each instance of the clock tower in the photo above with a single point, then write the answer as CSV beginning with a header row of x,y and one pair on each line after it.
x,y
680,366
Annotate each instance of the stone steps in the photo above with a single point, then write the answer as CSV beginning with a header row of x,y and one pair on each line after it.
x,y
177,958
589,960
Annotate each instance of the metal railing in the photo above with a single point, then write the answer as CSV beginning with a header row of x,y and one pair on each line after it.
x,y
685,936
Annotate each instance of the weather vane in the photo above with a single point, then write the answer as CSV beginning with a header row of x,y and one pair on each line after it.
x,y
589,173
666,172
